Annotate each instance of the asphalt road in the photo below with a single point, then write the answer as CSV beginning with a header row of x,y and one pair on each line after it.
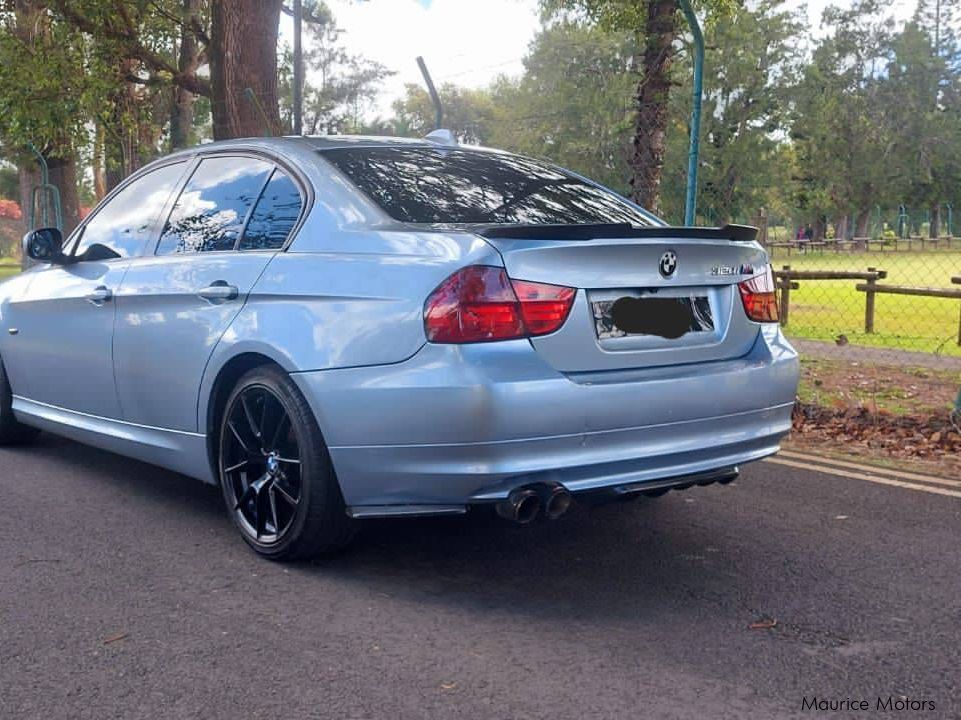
x,y
125,593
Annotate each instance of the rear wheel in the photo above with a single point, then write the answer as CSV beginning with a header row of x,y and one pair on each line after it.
x,y
12,432
275,472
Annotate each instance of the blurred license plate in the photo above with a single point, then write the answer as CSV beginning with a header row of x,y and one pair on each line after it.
x,y
669,317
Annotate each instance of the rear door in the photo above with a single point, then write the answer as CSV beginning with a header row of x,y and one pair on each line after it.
x,y
700,274
233,215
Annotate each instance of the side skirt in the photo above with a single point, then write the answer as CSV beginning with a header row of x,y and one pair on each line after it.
x,y
182,452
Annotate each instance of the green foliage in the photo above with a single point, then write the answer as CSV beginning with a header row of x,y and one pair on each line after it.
x,y
341,86
45,89
469,114
572,104
9,183
753,62
618,15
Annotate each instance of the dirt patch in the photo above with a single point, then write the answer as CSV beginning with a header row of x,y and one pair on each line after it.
x,y
886,414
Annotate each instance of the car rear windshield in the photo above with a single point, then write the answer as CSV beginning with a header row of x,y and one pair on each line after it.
x,y
448,186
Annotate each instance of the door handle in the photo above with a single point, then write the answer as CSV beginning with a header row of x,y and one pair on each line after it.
x,y
100,295
219,290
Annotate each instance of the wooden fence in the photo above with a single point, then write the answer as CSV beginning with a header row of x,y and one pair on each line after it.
x,y
788,279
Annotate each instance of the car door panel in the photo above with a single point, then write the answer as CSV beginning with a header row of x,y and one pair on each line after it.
x,y
168,323
62,350
175,306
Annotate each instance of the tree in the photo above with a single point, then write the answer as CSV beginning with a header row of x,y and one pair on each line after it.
x,y
190,57
44,91
656,26
572,103
243,68
347,83
146,41
839,128
750,69
921,94
469,114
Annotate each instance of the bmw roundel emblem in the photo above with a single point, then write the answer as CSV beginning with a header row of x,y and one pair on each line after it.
x,y
668,264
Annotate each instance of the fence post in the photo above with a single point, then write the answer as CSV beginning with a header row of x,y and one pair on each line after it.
x,y
785,295
869,304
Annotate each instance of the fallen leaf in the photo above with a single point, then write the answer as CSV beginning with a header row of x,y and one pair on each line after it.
x,y
763,624
448,685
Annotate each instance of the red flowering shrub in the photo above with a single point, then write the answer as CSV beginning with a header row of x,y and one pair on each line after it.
x,y
10,210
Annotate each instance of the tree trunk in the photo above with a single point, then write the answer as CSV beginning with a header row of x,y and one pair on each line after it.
x,y
862,226
650,124
182,108
243,68
934,226
841,228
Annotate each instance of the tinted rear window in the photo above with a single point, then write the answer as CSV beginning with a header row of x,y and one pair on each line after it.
x,y
427,185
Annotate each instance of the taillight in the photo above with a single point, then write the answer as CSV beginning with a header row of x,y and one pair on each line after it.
x,y
759,297
481,304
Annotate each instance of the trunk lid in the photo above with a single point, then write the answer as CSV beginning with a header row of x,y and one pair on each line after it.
x,y
707,265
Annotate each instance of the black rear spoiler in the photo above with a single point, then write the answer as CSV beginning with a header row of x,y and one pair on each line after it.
x,y
735,233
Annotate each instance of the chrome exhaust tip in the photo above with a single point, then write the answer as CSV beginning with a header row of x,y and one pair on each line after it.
x,y
557,501
521,506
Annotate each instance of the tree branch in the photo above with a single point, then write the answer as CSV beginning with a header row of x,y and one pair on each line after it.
x,y
133,49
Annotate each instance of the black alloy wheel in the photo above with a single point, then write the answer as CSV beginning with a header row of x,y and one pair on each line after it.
x,y
275,472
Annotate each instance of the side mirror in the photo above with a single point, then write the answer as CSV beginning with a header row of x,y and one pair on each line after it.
x,y
44,245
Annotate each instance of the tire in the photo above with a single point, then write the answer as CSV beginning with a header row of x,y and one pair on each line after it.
x,y
264,465
12,432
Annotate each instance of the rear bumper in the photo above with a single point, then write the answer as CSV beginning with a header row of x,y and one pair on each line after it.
x,y
456,425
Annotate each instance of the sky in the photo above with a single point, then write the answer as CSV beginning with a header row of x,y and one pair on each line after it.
x,y
467,42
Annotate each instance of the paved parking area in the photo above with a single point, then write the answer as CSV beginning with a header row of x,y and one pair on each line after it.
x,y
124,592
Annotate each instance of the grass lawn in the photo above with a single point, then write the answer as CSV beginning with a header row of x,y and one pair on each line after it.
x,y
824,309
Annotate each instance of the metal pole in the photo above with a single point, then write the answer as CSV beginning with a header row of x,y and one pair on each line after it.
x,y
434,97
690,204
298,70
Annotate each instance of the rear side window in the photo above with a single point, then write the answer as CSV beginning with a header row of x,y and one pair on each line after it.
x,y
125,222
210,213
274,216
447,186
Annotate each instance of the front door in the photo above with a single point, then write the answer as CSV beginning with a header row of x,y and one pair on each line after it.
x,y
63,348
233,215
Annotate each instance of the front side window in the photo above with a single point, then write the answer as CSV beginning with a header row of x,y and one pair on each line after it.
x,y
210,213
447,186
275,215
125,222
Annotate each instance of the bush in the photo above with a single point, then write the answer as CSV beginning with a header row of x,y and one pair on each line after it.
x,y
10,210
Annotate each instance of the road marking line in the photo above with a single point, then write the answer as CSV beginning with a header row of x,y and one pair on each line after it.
x,y
904,475
861,476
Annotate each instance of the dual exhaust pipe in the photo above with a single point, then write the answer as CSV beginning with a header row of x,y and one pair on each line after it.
x,y
525,504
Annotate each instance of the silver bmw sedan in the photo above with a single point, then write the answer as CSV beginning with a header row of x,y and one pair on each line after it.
x,y
333,329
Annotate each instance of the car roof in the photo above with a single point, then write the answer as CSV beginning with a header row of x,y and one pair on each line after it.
x,y
322,142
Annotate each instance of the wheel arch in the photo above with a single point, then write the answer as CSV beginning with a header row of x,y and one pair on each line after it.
x,y
223,382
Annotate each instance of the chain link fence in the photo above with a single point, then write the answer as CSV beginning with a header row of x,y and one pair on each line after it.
x,y
884,281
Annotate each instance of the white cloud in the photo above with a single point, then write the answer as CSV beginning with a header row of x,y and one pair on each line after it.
x,y
469,42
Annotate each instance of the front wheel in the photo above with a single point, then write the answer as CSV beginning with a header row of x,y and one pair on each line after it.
x,y
275,471
12,432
